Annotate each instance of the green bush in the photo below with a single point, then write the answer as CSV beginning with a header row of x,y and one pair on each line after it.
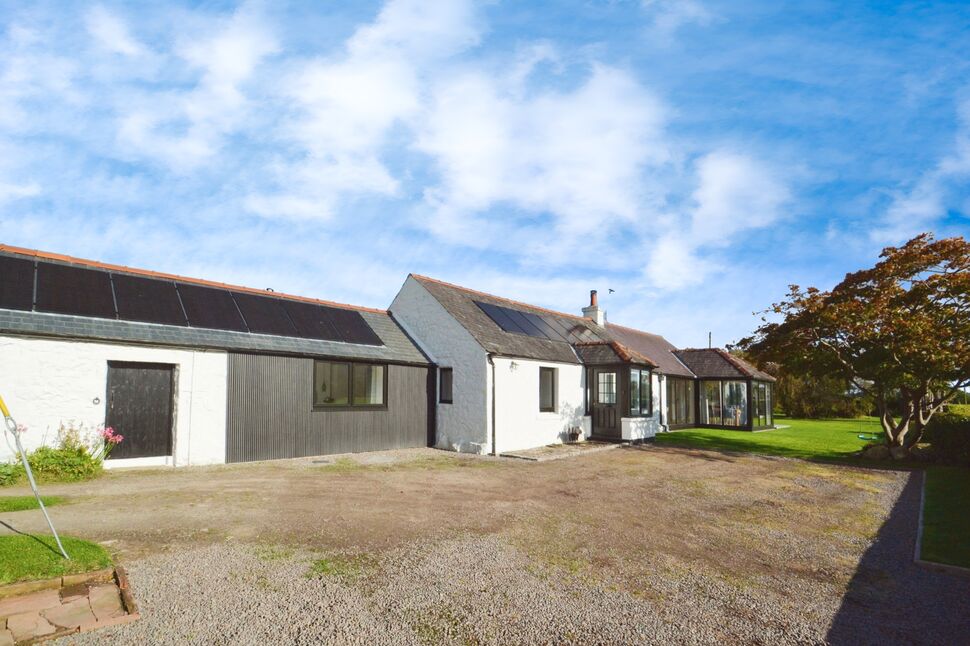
x,y
10,473
959,409
67,464
949,434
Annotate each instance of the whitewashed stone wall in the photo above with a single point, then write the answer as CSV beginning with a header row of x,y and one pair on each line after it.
x,y
464,424
47,382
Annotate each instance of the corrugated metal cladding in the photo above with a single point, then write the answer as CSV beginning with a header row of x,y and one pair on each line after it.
x,y
271,414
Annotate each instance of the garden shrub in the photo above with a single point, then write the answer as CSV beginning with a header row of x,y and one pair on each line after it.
x,y
10,473
78,454
949,434
65,464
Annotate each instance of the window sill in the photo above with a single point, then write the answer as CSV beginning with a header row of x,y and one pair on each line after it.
x,y
324,409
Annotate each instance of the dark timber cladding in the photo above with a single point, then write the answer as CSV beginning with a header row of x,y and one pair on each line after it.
x,y
271,412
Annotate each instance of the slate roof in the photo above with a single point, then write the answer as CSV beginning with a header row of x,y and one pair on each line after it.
x,y
589,342
715,363
460,303
654,346
396,345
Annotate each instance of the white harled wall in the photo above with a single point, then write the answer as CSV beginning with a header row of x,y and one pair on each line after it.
x,y
519,423
462,425
47,382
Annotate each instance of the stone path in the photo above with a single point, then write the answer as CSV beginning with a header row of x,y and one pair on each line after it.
x,y
67,605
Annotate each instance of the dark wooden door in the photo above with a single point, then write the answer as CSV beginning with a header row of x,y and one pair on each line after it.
x,y
606,420
139,407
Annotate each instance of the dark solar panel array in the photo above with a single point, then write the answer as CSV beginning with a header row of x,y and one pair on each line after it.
x,y
67,289
16,283
62,289
148,300
211,307
519,322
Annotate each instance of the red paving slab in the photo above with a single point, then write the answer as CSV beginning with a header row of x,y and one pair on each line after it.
x,y
62,610
32,602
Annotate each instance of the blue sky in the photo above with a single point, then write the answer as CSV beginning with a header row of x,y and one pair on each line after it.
x,y
696,156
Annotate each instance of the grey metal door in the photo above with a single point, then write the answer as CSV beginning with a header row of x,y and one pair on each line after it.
x,y
139,407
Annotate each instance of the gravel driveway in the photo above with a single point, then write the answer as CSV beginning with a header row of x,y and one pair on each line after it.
x,y
631,546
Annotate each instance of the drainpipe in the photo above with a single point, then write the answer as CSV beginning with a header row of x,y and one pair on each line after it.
x,y
494,444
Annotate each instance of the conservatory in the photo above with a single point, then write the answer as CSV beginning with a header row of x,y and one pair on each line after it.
x,y
731,393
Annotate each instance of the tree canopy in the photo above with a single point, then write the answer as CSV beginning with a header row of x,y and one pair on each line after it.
x,y
899,332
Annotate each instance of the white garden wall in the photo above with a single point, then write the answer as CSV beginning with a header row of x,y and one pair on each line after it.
x,y
519,423
462,425
47,382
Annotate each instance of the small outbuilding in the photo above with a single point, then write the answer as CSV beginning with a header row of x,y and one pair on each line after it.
x,y
191,371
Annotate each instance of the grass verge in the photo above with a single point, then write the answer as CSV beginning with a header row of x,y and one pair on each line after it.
x,y
343,566
25,558
22,503
830,439
946,516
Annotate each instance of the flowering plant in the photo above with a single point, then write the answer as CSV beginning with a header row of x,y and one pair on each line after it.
x,y
107,440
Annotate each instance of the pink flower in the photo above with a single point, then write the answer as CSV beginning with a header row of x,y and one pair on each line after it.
x,y
21,429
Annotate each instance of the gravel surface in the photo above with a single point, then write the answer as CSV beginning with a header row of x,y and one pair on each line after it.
x,y
482,589
655,546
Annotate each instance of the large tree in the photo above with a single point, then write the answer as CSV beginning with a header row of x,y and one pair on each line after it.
x,y
899,332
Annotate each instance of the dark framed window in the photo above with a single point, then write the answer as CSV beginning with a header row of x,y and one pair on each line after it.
x,y
547,390
606,388
345,384
641,393
446,385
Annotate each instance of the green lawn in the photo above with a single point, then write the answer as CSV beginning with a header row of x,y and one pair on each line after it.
x,y
24,558
21,503
946,516
830,439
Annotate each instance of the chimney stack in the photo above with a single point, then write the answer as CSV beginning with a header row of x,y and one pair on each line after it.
x,y
593,311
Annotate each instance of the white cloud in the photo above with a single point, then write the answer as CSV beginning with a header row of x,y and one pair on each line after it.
x,y
735,193
10,192
917,209
185,129
347,105
111,32
575,154
668,16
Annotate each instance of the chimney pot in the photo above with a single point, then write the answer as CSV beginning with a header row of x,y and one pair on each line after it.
x,y
592,298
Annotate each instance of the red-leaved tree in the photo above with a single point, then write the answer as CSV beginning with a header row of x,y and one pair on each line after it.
x,y
899,332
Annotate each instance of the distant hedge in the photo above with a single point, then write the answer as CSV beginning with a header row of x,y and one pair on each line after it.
x,y
949,434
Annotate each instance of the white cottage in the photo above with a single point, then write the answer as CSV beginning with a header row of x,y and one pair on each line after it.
x,y
514,376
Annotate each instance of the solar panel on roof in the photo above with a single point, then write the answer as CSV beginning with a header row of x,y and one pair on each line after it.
x,y
527,323
500,317
148,300
16,283
63,289
559,326
312,321
547,329
524,323
353,328
264,314
210,307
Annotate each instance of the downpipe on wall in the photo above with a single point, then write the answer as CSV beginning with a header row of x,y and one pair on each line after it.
x,y
494,436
